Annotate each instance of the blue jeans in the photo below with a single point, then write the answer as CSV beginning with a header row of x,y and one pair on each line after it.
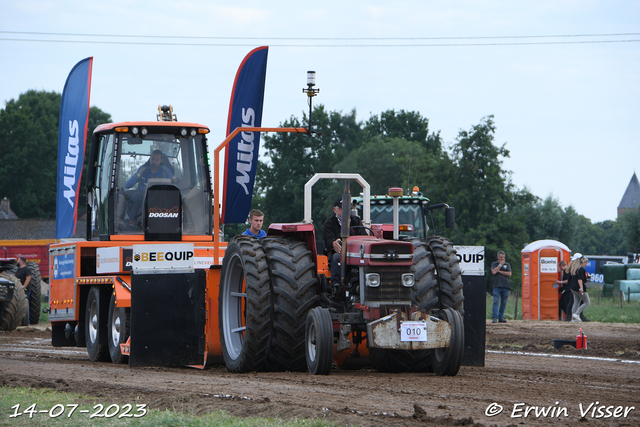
x,y
500,296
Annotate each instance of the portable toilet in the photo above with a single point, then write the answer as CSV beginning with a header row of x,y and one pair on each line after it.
x,y
540,269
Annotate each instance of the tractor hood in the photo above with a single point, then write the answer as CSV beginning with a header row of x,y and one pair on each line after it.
x,y
365,251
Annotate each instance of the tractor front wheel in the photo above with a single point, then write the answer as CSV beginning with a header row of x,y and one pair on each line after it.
x,y
319,339
446,361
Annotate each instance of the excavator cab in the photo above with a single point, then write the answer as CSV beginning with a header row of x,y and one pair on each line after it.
x,y
149,178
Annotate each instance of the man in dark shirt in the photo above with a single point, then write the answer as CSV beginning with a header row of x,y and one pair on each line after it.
x,y
24,274
154,169
501,287
332,240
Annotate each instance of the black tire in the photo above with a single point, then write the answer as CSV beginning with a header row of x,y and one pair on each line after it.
x,y
319,341
244,306
448,272
96,316
13,312
25,319
293,284
446,361
11,268
118,330
35,298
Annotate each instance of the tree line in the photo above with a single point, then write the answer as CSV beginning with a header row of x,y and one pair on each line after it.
x,y
392,149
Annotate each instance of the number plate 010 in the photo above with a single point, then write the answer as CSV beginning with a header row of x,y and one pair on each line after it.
x,y
413,331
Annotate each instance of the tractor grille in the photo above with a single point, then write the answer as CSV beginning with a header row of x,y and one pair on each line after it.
x,y
391,252
390,288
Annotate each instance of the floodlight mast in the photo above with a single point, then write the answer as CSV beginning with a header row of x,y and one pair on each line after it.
x,y
311,92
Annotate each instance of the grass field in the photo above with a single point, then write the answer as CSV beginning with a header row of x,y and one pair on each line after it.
x,y
601,309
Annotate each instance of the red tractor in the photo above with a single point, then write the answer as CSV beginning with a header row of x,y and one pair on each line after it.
x,y
278,311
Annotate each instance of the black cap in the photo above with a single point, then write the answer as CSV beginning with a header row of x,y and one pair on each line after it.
x,y
338,203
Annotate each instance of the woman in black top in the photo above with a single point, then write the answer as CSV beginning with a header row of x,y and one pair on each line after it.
x,y
565,303
578,284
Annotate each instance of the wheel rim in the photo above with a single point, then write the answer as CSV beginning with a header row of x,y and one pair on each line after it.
x,y
233,305
93,324
115,327
311,343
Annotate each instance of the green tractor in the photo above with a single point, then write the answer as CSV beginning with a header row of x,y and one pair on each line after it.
x,y
437,254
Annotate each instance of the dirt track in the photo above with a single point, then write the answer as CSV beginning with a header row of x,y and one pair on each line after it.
x,y
366,397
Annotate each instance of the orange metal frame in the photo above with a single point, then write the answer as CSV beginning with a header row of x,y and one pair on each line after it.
x,y
216,174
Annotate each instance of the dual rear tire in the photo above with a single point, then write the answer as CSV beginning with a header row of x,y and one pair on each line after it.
x,y
267,289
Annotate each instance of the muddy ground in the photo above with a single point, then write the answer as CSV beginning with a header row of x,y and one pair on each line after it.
x,y
522,370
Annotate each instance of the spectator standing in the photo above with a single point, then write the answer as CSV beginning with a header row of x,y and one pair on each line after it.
x,y
256,218
24,274
579,286
565,301
501,271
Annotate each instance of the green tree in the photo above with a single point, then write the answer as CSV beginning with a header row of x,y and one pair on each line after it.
x,y
407,125
294,158
29,143
387,162
630,227
485,199
609,238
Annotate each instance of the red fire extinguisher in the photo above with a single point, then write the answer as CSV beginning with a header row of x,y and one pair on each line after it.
x,y
581,340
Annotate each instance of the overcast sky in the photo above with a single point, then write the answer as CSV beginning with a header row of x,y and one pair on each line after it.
x,y
564,105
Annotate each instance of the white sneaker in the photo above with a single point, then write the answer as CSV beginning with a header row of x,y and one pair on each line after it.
x,y
576,318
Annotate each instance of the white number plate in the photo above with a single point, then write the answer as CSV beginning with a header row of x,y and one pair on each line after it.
x,y
413,331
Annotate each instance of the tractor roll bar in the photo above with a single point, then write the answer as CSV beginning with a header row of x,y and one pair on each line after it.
x,y
366,193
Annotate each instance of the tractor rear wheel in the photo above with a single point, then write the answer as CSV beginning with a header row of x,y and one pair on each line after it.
x,y
13,312
35,297
244,314
319,339
96,324
446,361
294,283
118,330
